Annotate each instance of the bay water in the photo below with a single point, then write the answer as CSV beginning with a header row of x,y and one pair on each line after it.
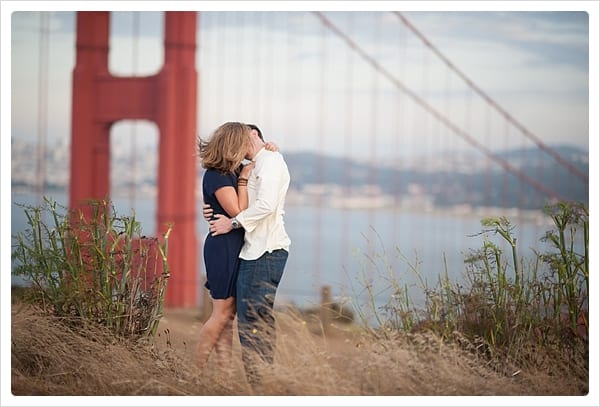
x,y
361,254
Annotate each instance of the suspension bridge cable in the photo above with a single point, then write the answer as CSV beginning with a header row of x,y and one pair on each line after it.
x,y
373,114
321,104
348,132
133,138
493,103
399,139
439,116
42,121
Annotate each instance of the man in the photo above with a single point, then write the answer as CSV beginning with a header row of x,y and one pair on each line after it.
x,y
264,252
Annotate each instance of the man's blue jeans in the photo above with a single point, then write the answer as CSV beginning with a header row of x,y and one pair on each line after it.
x,y
256,288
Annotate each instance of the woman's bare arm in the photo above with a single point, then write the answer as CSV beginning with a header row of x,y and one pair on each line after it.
x,y
233,202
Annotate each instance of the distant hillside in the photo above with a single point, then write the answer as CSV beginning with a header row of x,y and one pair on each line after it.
x,y
441,180
477,180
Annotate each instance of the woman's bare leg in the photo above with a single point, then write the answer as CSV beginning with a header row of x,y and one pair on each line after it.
x,y
222,315
223,347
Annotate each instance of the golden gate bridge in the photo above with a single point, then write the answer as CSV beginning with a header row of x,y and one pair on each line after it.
x,y
175,100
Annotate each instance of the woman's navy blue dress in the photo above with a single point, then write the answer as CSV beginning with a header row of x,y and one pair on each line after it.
x,y
221,253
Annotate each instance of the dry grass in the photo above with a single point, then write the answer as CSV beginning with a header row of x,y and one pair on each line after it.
x,y
51,357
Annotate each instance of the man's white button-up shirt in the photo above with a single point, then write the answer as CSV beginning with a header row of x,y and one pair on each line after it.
x,y
263,219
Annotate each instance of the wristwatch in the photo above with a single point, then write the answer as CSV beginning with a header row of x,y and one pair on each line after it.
x,y
235,224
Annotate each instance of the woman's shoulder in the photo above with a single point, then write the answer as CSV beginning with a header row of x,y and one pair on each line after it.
x,y
216,176
213,172
210,173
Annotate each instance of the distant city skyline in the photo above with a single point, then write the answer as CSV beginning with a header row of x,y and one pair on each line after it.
x,y
468,180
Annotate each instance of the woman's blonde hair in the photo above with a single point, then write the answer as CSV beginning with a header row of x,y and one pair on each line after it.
x,y
227,147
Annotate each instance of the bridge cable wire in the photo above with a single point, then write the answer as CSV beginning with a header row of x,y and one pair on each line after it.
x,y
439,116
348,131
321,105
492,102
399,139
133,128
42,128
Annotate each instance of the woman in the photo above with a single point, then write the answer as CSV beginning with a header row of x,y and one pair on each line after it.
x,y
224,187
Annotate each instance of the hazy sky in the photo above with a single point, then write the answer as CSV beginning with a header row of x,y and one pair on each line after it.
x,y
308,90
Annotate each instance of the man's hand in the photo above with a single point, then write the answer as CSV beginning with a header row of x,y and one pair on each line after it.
x,y
207,212
220,226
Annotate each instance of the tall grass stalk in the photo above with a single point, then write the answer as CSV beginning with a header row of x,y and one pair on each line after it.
x,y
98,268
508,302
398,311
570,267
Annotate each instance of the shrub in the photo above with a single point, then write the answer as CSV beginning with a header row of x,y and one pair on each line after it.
x,y
507,305
96,268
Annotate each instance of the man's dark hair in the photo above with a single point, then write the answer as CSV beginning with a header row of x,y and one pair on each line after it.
x,y
255,127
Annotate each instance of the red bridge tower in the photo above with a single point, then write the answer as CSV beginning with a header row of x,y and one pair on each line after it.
x,y
167,99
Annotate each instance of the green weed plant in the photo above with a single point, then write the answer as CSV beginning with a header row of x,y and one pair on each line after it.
x,y
97,267
506,303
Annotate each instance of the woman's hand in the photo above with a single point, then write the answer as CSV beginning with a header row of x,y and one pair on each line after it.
x,y
246,170
269,145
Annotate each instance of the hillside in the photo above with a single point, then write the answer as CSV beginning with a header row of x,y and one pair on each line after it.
x,y
454,179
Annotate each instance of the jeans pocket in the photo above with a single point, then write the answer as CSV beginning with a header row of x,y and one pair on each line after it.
x,y
276,263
